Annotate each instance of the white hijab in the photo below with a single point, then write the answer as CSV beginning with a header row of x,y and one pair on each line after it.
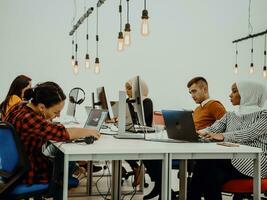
x,y
144,87
253,96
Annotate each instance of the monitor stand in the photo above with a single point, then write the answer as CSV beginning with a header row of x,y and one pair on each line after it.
x,y
122,116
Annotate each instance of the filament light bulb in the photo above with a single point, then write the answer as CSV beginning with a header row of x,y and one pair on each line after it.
x,y
72,60
144,23
127,35
251,70
97,66
236,69
87,61
120,46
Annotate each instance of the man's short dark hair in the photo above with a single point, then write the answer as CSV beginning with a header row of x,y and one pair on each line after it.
x,y
197,80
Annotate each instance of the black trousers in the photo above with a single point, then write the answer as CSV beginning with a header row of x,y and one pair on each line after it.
x,y
209,177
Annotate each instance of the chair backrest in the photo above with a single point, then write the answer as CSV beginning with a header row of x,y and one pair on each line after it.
x,y
158,118
13,161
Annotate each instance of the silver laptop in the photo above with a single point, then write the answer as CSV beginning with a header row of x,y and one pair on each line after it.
x,y
95,119
179,126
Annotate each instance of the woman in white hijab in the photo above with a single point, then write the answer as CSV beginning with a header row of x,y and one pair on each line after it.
x,y
248,126
148,114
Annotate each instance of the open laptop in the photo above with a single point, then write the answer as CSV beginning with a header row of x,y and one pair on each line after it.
x,y
95,119
180,127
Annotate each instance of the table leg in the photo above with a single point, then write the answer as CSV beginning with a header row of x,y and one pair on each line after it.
x,y
182,179
116,179
66,176
257,178
165,186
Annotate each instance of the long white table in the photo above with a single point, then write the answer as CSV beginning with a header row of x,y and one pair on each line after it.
x,y
109,148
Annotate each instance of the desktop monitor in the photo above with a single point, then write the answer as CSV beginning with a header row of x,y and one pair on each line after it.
x,y
102,101
138,100
72,106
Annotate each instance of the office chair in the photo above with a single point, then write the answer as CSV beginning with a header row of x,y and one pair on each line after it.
x,y
243,188
13,165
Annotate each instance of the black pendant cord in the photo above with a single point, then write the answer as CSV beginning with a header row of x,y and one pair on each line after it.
x,y
251,54
265,38
120,10
236,55
76,47
128,10
144,4
97,36
87,36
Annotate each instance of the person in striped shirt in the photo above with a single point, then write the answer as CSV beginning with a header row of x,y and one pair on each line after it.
x,y
247,126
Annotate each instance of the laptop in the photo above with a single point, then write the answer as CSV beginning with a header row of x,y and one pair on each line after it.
x,y
179,126
95,119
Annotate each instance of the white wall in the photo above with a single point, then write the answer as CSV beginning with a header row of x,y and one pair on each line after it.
x,y
188,38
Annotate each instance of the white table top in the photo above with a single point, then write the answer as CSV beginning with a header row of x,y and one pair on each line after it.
x,y
109,145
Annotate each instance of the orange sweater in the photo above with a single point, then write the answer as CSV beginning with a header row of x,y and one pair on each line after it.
x,y
205,116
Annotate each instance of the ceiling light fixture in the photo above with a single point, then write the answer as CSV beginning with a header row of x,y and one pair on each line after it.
x,y
120,46
97,63
127,29
144,24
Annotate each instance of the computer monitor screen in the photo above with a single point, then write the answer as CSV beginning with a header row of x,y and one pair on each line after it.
x,y
72,106
103,102
138,100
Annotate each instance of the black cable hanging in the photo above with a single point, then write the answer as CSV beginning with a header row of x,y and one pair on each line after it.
x,y
127,29
264,54
97,63
252,69
72,53
236,55
87,57
75,67
120,46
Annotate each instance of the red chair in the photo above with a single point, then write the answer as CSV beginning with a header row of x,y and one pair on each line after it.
x,y
243,188
158,118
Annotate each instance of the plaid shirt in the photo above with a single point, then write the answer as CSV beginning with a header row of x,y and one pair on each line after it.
x,y
34,130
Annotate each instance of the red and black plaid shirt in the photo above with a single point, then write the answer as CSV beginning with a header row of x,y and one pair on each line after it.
x,y
34,130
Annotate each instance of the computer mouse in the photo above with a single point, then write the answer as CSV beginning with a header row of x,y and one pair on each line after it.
x,y
89,139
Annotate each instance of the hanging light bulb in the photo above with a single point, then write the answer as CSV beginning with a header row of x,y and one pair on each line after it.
x,y
97,66
264,72
127,35
236,69
72,60
236,65
75,68
251,69
120,42
144,24
87,61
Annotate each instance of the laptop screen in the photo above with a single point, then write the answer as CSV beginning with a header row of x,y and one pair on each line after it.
x,y
95,119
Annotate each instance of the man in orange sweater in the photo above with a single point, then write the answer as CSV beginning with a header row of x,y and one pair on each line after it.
x,y
208,110
204,115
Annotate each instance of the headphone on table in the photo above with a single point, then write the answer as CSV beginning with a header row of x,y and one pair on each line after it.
x,y
72,98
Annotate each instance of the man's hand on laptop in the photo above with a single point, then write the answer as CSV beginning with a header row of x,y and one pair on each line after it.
x,y
213,136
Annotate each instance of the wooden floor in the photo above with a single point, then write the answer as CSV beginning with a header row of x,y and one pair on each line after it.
x,y
101,185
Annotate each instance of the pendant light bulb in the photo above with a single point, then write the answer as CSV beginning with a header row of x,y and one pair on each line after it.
x,y
87,61
127,35
264,72
97,66
72,60
144,23
120,46
236,69
251,70
75,68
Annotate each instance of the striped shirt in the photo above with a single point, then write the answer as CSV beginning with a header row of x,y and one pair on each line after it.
x,y
249,129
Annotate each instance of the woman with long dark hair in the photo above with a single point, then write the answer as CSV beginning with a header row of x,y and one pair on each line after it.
x,y
15,93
